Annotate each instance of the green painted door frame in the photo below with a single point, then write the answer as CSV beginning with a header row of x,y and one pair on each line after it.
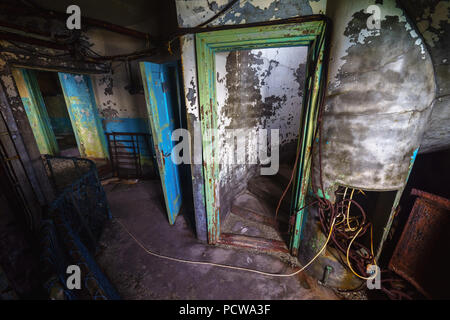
x,y
312,33
33,102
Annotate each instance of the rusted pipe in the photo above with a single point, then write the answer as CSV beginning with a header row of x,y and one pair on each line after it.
x,y
436,200
17,27
34,41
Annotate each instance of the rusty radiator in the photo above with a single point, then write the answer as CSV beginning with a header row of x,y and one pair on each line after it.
x,y
422,254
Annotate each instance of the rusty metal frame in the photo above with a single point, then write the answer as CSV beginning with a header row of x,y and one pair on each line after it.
x,y
420,232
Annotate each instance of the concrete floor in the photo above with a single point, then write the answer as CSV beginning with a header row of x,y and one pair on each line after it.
x,y
138,275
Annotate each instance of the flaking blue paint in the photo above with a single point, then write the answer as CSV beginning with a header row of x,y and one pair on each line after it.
x,y
84,116
161,107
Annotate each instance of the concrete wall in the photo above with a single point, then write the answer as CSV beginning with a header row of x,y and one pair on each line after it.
x,y
256,89
193,12
121,106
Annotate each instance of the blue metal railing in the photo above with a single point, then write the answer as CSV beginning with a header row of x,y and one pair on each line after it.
x,y
78,215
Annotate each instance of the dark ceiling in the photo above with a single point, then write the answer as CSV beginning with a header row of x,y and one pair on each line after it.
x,y
150,16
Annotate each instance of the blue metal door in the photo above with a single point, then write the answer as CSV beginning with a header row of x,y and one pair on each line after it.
x,y
161,106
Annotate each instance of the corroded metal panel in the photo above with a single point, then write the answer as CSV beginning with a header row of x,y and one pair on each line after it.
x,y
424,244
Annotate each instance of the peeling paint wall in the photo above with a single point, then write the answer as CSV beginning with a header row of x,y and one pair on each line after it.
x,y
120,108
193,12
192,115
256,89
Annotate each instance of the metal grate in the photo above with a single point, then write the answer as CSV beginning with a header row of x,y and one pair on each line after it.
x,y
78,215
81,199
127,152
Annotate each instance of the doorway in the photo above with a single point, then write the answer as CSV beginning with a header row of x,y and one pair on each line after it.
x,y
62,112
311,33
56,109
259,91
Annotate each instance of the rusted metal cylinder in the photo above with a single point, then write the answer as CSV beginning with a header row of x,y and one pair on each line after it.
x,y
381,88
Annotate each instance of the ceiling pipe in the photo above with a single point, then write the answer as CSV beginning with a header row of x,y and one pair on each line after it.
x,y
17,27
33,41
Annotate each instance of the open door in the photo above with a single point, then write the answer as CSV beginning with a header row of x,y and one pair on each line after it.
x,y
83,113
160,98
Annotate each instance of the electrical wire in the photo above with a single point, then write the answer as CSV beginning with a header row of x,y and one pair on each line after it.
x,y
348,212
148,251
348,260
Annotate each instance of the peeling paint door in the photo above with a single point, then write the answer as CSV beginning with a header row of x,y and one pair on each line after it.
x,y
83,113
33,102
161,107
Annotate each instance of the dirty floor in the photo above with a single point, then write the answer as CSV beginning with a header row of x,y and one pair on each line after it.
x,y
253,211
138,275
